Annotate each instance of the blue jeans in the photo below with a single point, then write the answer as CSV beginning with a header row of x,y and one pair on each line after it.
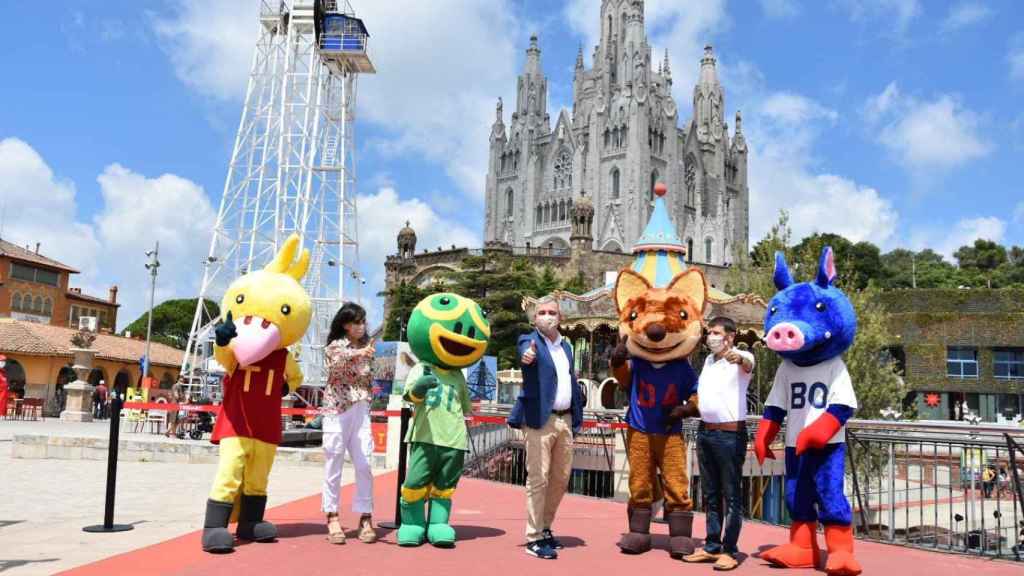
x,y
720,455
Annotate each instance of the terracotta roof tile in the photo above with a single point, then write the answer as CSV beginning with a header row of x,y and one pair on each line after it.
x,y
16,252
87,298
44,339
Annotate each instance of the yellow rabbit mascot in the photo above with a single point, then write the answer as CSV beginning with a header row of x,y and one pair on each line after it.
x,y
273,312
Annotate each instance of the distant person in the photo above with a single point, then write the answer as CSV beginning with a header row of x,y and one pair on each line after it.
x,y
988,480
178,396
346,423
4,391
99,401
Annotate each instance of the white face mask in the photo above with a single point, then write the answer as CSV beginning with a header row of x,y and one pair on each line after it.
x,y
716,343
547,322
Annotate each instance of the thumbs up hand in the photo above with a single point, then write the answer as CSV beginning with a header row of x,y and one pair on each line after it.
x,y
530,355
621,353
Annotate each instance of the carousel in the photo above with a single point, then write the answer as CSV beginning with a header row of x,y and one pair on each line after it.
x,y
590,321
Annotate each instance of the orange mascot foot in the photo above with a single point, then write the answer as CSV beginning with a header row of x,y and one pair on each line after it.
x,y
840,552
802,550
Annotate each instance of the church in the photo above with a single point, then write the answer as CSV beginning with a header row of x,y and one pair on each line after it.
x,y
622,135
577,195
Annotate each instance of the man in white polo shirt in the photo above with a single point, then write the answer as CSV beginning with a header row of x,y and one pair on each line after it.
x,y
722,440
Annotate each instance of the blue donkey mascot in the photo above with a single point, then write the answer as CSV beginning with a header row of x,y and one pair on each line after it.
x,y
810,325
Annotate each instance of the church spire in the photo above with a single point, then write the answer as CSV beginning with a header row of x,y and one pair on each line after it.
x,y
708,69
666,68
579,58
532,67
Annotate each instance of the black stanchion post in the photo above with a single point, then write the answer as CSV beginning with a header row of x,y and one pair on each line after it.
x,y
402,455
108,512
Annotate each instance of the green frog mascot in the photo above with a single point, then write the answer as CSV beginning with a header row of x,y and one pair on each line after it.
x,y
446,332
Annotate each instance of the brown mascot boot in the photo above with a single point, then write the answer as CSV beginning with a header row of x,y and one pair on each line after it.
x,y
841,562
802,550
680,528
638,540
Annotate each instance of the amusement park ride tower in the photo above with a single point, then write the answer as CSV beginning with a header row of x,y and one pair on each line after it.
x,y
292,170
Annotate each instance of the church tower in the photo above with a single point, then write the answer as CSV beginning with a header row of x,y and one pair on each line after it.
x,y
621,137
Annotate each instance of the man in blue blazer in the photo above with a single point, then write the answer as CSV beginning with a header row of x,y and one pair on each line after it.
x,y
549,411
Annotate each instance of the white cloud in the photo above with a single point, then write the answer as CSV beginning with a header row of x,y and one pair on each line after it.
x,y
434,93
780,9
135,212
782,130
925,135
37,206
1015,57
898,13
965,14
946,240
381,216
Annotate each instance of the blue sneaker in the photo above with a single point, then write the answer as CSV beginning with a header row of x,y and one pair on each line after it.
x,y
541,549
549,537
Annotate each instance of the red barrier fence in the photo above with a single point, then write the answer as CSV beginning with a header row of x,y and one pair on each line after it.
x,y
472,419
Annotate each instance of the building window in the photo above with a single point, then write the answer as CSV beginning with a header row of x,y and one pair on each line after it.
x,y
32,274
16,302
563,170
509,197
37,306
47,307
708,245
1009,363
689,250
961,362
615,183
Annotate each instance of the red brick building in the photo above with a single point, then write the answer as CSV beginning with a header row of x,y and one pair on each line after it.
x,y
34,288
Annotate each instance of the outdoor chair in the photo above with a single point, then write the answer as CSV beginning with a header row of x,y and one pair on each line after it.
x,y
32,409
157,418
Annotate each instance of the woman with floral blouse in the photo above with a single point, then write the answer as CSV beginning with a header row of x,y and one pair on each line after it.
x,y
346,422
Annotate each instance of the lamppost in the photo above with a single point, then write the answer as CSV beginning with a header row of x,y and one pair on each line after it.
x,y
152,266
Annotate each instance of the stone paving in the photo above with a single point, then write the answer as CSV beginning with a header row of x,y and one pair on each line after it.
x,y
46,502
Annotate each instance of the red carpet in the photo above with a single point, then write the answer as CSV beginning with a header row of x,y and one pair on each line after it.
x,y
490,520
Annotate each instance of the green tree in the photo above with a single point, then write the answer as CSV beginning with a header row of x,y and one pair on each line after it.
x,y
498,282
404,299
172,321
981,259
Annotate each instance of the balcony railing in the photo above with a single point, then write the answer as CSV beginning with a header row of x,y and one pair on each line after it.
x,y
914,484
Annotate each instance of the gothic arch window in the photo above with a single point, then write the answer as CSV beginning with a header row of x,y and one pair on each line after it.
x,y
38,305
16,302
47,307
708,246
547,213
538,216
725,251
615,183
607,137
691,180
563,170
509,198
654,180
562,215
689,250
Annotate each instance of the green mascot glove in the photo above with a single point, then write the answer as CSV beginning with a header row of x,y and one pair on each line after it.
x,y
424,384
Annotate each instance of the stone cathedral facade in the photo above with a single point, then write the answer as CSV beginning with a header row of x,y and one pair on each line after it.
x,y
622,135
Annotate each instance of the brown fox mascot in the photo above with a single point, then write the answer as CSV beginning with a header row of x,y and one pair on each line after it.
x,y
660,306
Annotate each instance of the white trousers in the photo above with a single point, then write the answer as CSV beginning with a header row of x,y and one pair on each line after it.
x,y
348,432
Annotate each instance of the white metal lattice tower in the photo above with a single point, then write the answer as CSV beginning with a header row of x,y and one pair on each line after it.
x,y
292,170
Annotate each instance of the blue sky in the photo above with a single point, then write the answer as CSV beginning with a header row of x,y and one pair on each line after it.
x,y
894,121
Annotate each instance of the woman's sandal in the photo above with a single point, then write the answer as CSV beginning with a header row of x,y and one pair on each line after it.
x,y
367,534
335,533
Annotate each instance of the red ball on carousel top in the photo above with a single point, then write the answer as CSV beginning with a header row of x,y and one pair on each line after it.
x,y
660,189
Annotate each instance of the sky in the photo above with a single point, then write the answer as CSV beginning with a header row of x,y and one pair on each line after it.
x,y
892,121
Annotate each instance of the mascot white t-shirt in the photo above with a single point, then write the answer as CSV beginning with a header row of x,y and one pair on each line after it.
x,y
805,392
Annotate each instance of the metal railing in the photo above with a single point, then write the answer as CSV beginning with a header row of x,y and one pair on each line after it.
x,y
914,484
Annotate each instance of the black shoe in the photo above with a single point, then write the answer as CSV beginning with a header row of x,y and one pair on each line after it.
x,y
552,542
251,525
541,549
216,537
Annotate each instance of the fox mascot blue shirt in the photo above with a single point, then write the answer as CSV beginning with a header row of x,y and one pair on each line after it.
x,y
810,325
